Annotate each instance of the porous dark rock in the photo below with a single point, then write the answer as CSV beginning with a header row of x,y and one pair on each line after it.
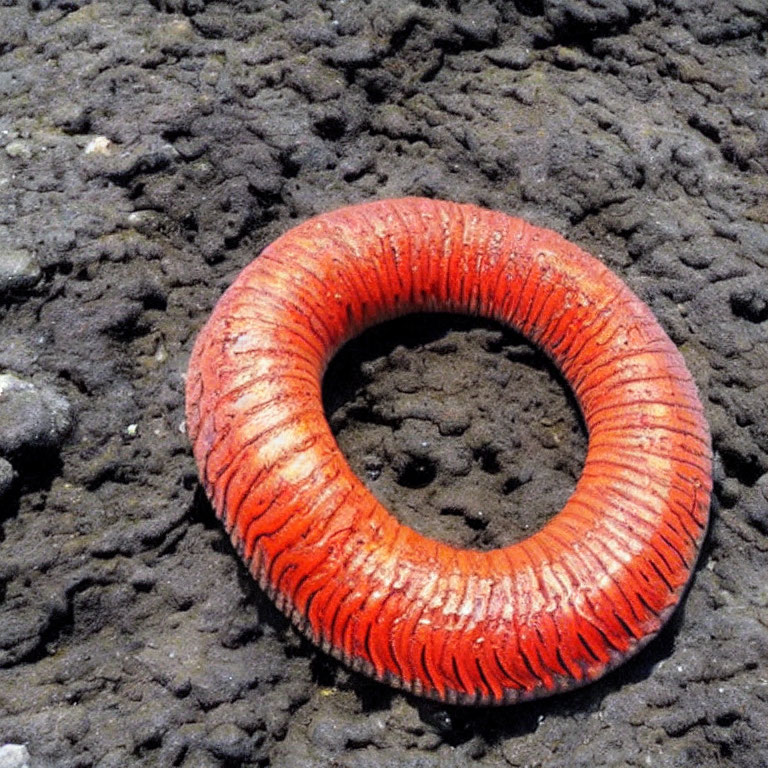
x,y
148,151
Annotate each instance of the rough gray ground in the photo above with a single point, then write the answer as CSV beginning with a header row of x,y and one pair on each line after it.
x,y
148,150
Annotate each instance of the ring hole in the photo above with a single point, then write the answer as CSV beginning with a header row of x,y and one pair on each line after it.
x,y
462,429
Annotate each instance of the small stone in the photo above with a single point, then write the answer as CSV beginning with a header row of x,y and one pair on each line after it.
x,y
18,269
19,148
14,756
99,145
31,416
6,476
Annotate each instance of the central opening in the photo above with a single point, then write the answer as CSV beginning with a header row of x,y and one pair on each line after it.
x,y
460,427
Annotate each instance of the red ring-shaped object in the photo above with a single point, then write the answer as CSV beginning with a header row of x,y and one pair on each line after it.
x,y
549,613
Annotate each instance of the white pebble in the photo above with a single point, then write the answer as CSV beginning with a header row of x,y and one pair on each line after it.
x,y
99,145
14,756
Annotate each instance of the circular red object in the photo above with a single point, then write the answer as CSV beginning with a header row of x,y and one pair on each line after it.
x,y
549,613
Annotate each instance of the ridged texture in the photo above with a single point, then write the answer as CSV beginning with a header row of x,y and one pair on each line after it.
x,y
549,613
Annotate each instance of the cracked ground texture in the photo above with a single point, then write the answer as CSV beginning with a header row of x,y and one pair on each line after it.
x,y
149,150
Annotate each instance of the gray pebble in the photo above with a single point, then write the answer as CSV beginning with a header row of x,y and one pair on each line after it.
x,y
31,416
14,756
18,269
6,476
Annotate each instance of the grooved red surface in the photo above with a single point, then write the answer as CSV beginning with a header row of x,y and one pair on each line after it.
x,y
549,613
